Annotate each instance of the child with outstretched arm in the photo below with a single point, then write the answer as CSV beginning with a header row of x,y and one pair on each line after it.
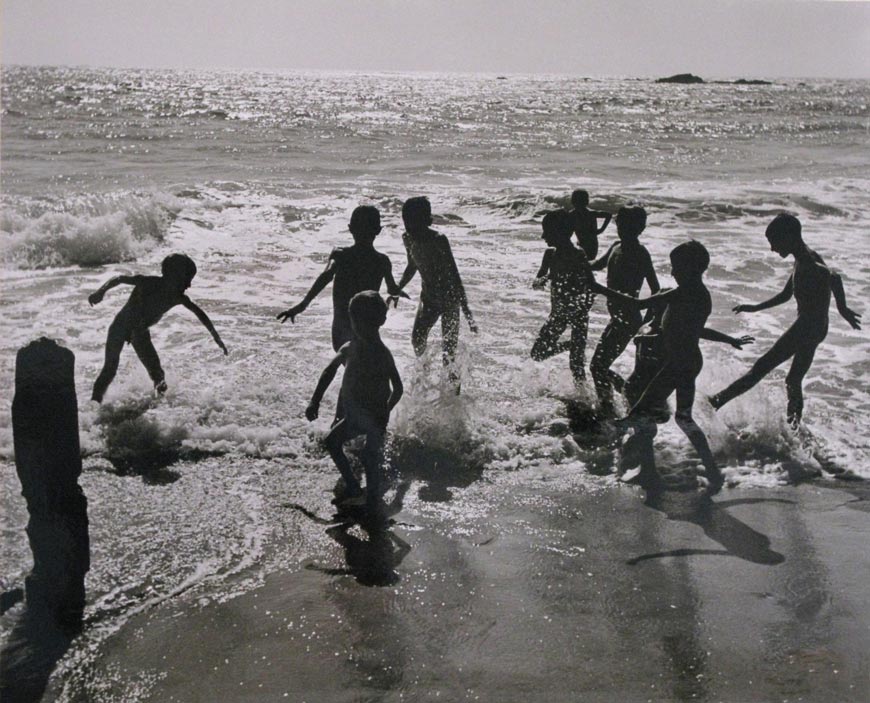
x,y
811,283
585,222
352,270
567,270
151,298
683,325
370,389
442,295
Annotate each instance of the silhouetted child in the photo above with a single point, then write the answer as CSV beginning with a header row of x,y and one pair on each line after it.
x,y
370,389
585,223
628,264
352,269
151,298
567,269
811,283
683,324
650,357
442,295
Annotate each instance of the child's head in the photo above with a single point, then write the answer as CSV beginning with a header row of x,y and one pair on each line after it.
x,y
368,312
580,199
417,214
783,233
689,261
365,223
630,222
557,227
180,269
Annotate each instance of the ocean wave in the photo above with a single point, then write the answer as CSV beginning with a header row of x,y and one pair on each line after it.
x,y
84,231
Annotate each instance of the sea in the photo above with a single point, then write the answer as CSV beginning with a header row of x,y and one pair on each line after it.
x,y
254,175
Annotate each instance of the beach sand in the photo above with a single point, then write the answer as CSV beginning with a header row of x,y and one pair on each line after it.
x,y
541,594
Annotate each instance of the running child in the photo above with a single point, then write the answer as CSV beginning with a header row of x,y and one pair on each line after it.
x,y
683,324
370,389
811,283
585,223
567,269
151,298
442,295
352,269
628,265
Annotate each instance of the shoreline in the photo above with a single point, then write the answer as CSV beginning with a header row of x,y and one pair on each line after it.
x,y
545,594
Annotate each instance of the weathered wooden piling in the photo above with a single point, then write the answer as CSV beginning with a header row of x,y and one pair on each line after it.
x,y
48,461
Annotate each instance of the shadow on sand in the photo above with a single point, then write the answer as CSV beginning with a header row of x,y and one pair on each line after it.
x,y
737,538
373,557
28,658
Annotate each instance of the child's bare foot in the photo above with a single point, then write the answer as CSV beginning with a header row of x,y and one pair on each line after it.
x,y
160,387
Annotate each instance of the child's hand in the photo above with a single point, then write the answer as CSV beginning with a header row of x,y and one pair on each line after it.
x,y
852,317
291,313
539,283
312,411
394,298
738,343
95,297
743,308
472,325
222,346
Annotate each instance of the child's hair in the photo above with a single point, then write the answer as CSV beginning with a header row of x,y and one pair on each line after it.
x,y
632,218
558,222
178,266
417,209
693,255
580,198
784,226
368,308
365,219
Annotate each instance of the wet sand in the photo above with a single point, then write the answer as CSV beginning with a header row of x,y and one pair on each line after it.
x,y
546,594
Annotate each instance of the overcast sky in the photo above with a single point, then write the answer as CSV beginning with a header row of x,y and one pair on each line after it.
x,y
712,38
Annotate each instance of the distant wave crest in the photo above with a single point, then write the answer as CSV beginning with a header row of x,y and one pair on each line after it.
x,y
84,231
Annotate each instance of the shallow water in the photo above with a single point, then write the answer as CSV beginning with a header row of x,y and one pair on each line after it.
x,y
255,174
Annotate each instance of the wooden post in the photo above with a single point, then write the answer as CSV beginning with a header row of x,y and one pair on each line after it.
x,y
48,461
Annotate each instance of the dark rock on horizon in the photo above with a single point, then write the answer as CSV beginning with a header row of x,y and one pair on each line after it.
x,y
681,78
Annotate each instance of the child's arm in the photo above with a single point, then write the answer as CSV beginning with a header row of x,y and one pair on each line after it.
x,y
408,273
463,300
204,319
394,292
98,294
651,279
716,336
607,216
601,262
849,315
397,388
326,377
660,298
543,272
319,284
782,297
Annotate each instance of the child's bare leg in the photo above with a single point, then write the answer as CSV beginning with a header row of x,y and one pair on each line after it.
x,y
373,462
115,341
144,348
782,350
547,344
449,334
614,340
423,323
338,435
685,421
577,358
803,358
